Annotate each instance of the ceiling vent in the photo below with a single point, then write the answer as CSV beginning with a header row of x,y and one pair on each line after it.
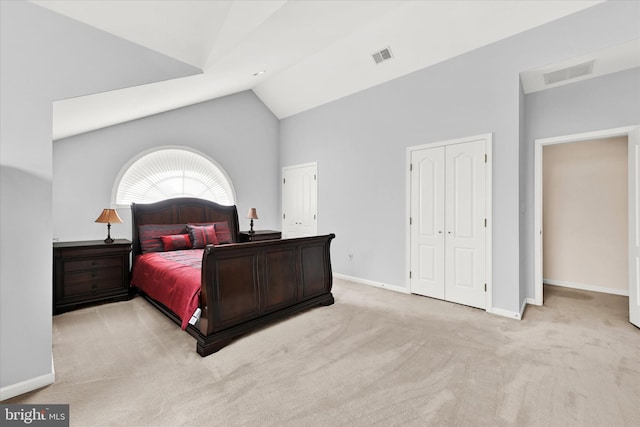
x,y
569,73
383,55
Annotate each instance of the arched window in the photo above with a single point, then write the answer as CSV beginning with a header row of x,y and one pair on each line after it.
x,y
166,173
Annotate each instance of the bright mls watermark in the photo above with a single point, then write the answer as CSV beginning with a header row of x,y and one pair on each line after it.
x,y
34,415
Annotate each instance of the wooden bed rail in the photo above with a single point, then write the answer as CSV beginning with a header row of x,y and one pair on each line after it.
x,y
247,285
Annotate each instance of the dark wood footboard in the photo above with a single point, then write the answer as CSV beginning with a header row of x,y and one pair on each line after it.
x,y
244,285
249,285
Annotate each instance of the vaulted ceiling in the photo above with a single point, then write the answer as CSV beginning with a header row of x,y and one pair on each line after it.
x,y
295,54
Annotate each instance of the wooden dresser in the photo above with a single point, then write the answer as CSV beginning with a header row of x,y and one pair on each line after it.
x,y
89,272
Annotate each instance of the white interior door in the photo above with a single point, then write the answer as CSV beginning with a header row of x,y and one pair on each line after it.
x,y
634,226
427,217
448,222
300,200
465,224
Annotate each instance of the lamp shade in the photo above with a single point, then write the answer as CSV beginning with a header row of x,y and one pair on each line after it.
x,y
109,216
252,214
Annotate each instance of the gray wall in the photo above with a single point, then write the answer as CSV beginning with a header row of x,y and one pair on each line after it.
x,y
596,104
237,131
360,143
45,57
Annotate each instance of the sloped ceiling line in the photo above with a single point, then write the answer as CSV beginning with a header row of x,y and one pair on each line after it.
x,y
298,43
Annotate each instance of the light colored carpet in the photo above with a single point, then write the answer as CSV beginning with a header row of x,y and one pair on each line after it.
x,y
375,357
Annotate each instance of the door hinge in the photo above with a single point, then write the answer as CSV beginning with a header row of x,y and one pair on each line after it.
x,y
485,157
410,221
314,177
284,180
314,216
485,222
409,275
410,167
284,216
485,287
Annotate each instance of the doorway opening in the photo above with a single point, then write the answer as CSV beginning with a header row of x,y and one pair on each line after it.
x,y
585,215
631,235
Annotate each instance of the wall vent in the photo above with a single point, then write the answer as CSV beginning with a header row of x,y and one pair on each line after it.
x,y
383,55
569,73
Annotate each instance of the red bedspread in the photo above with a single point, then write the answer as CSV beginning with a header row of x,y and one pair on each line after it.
x,y
172,278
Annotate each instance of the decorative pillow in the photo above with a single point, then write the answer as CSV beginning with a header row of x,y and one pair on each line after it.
x,y
202,235
222,232
176,242
149,235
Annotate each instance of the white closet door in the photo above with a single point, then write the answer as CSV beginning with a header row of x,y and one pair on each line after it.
x,y
300,201
427,217
448,230
634,227
465,224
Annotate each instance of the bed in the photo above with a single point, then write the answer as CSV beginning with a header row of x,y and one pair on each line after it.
x,y
223,287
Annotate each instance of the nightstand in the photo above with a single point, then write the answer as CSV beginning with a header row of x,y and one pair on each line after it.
x,y
89,272
260,235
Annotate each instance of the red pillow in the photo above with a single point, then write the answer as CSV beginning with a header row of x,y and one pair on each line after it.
x,y
222,232
176,242
202,235
149,235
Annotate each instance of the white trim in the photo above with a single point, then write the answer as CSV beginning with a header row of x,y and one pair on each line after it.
x,y
537,201
407,225
302,165
537,223
592,288
488,138
523,307
23,387
633,200
371,283
506,313
488,206
531,301
577,137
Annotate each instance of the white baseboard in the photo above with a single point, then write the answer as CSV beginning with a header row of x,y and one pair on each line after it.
x,y
523,307
506,313
14,390
372,283
513,314
601,289
498,311
532,301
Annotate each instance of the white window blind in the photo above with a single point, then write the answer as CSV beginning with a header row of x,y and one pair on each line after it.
x,y
170,173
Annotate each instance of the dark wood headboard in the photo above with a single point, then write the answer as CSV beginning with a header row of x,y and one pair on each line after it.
x,y
181,210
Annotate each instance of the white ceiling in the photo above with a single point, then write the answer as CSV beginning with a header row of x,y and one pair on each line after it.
x,y
312,52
